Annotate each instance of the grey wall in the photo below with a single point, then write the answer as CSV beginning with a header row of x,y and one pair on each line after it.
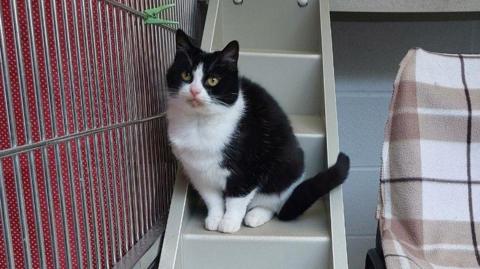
x,y
366,57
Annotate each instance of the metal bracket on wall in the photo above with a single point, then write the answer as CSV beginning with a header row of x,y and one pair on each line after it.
x,y
150,16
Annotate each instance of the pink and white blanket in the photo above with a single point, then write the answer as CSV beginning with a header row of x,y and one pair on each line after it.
x,y
429,205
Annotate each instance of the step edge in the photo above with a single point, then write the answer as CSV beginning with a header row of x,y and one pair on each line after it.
x,y
212,237
310,135
282,53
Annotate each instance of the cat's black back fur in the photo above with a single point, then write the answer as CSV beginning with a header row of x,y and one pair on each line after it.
x,y
264,152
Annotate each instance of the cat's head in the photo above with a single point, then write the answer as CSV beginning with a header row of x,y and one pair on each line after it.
x,y
203,82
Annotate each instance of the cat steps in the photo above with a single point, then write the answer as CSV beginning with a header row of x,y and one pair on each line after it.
x,y
286,49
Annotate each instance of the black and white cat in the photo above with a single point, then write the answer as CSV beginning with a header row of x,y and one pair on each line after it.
x,y
236,144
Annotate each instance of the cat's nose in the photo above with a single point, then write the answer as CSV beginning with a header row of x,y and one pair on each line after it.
x,y
194,91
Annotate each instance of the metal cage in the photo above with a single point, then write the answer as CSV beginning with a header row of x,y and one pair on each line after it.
x,y
85,168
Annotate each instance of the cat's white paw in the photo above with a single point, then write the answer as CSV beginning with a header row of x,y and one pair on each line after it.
x,y
212,222
258,216
228,225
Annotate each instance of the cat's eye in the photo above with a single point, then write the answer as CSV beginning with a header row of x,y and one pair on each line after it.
x,y
212,81
186,76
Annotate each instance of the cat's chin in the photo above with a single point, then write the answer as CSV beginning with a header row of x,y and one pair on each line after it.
x,y
193,108
195,103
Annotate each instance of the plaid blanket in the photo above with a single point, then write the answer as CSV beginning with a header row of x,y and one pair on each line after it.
x,y
429,205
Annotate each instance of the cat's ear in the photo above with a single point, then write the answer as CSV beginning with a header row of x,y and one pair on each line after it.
x,y
230,52
183,41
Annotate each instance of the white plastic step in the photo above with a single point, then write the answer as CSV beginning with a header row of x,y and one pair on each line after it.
x,y
294,80
267,25
302,243
310,131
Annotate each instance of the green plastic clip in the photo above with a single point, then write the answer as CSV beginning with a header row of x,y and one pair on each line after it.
x,y
150,16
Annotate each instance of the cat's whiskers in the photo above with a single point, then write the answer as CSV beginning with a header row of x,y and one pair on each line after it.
x,y
218,102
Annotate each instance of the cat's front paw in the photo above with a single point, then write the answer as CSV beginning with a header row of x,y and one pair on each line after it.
x,y
257,217
212,222
228,225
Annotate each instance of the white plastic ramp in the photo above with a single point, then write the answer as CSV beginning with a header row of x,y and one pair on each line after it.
x,y
287,49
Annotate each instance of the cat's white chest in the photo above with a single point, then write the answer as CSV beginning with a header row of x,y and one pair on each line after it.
x,y
200,151
198,142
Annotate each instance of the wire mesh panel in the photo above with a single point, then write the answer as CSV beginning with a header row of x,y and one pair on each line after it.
x,y
85,169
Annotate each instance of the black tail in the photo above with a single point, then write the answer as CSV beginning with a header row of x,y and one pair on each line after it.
x,y
312,189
